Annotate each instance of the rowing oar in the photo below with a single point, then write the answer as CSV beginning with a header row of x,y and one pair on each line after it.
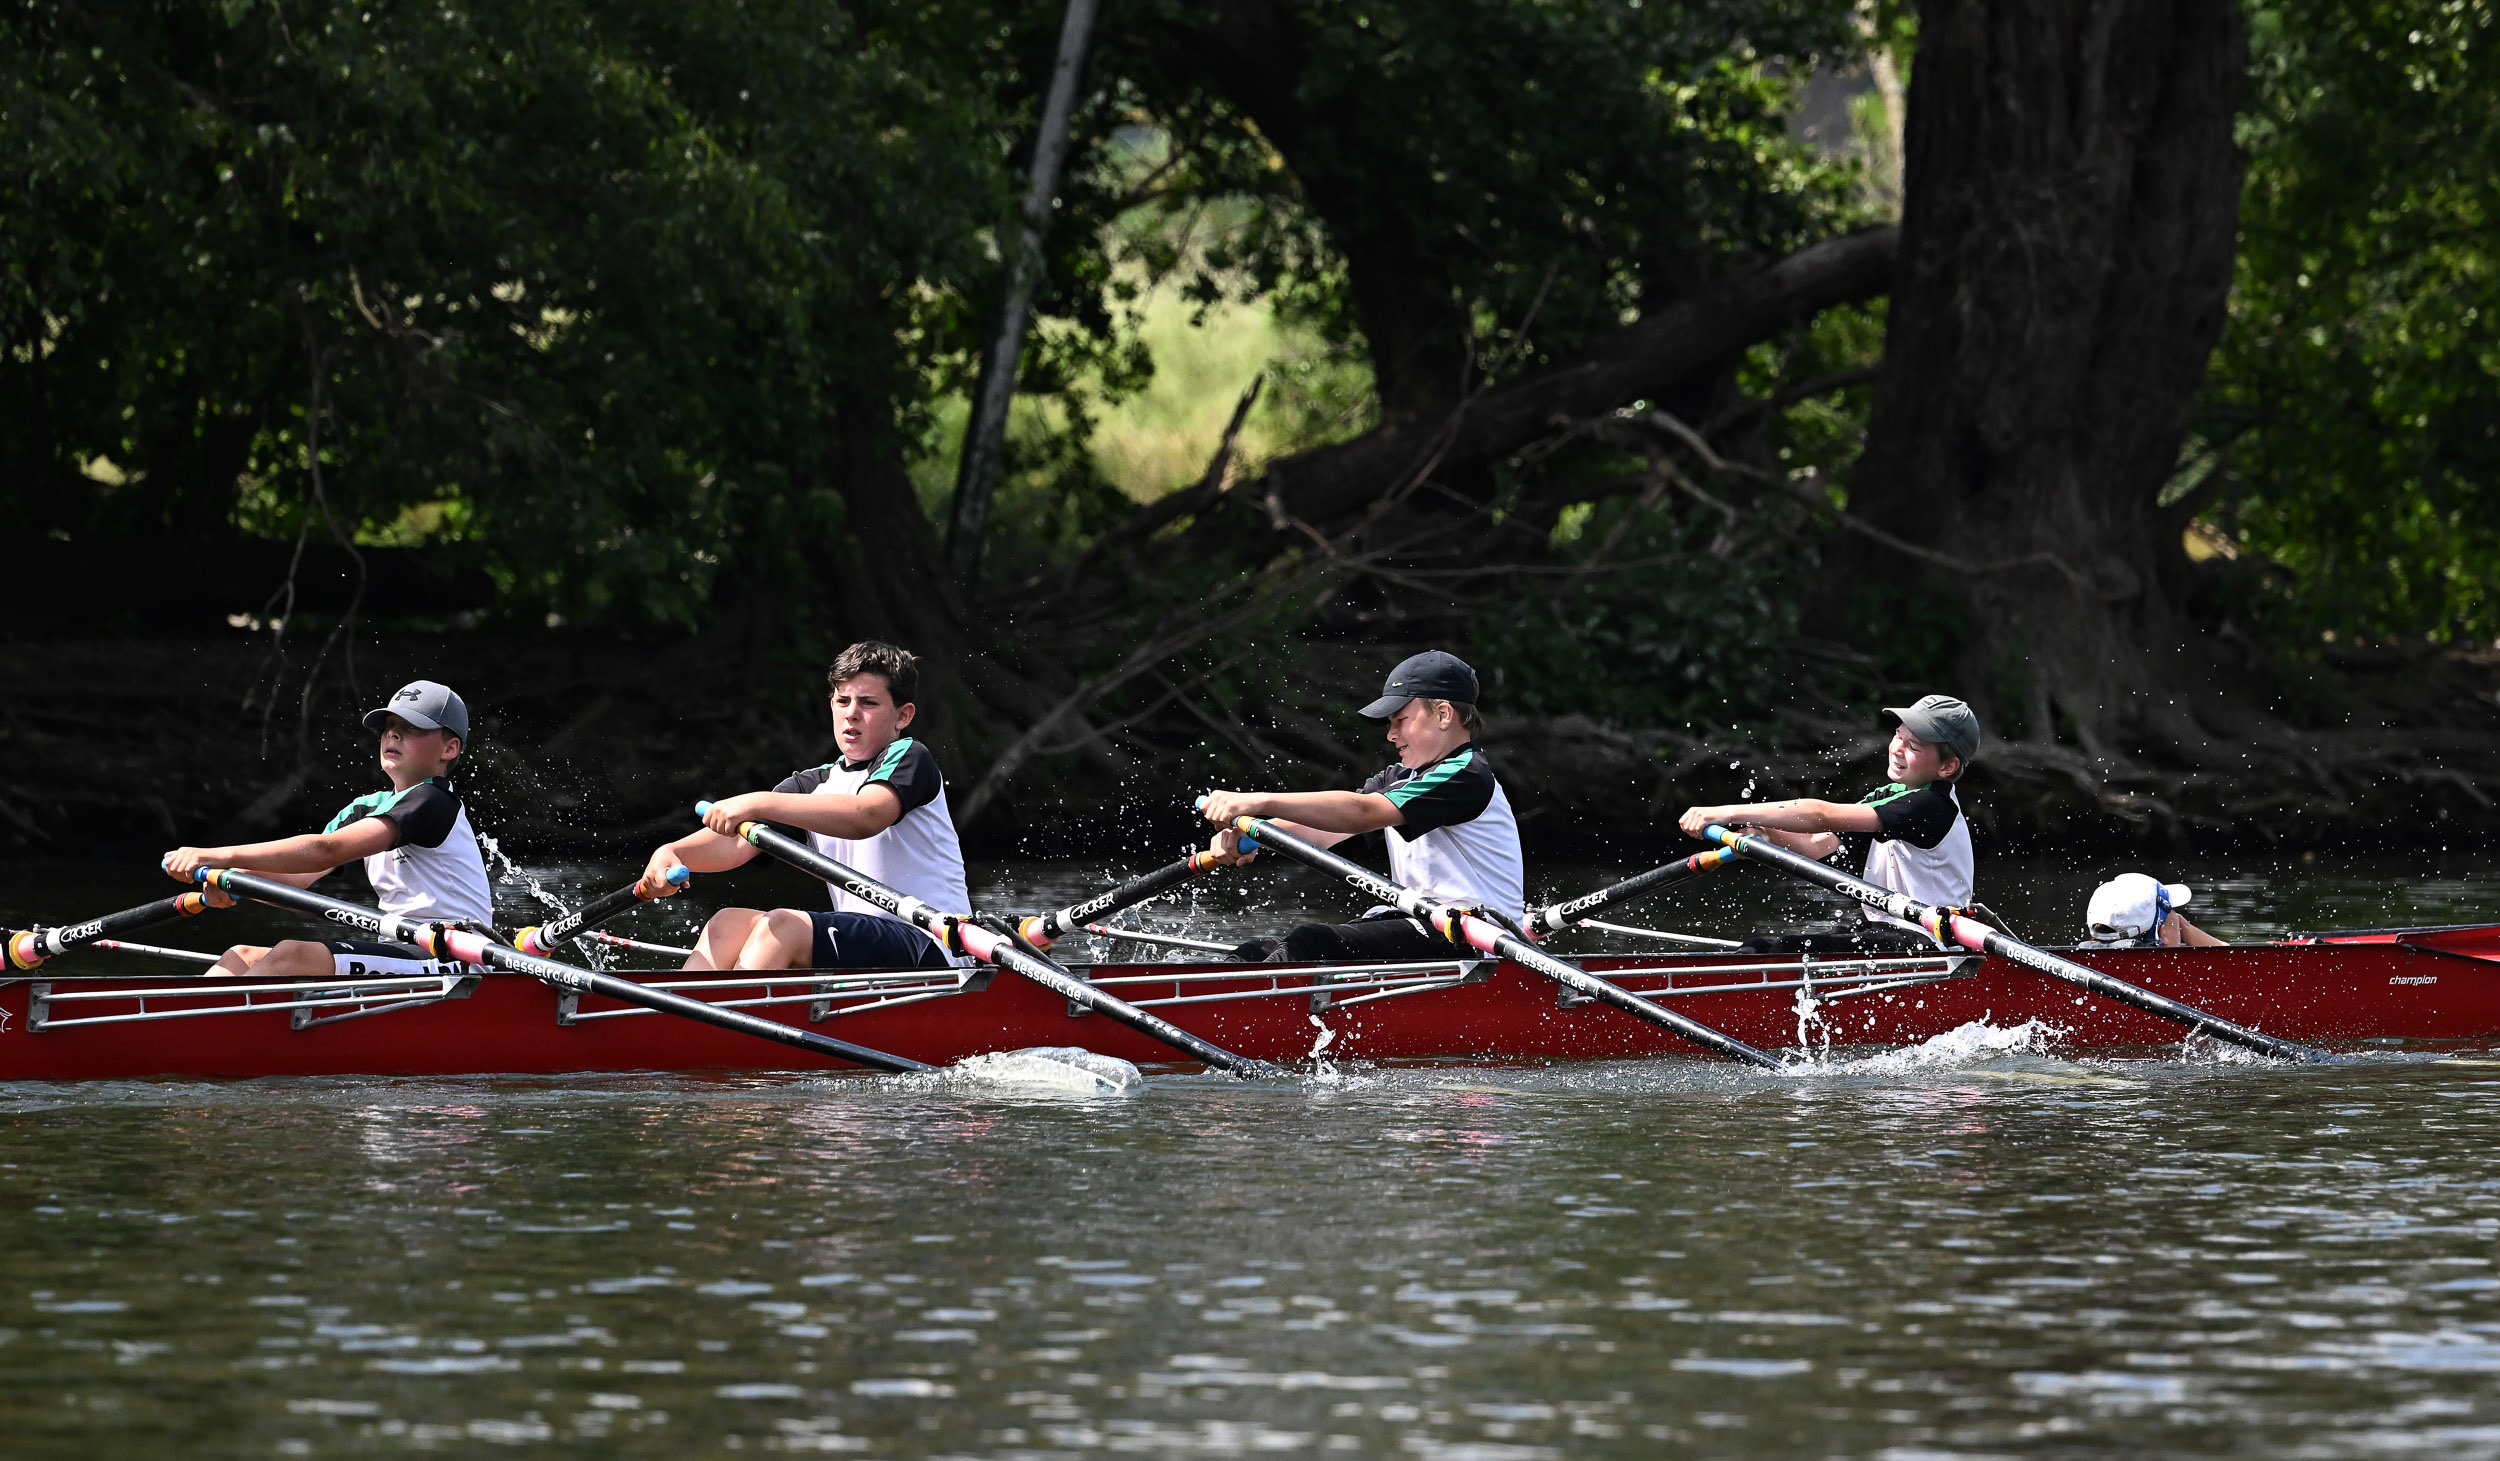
x,y
1046,929
1542,921
999,945
1466,926
28,948
445,942
1947,925
546,938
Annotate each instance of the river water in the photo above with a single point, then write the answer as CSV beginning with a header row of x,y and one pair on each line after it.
x,y
1972,1248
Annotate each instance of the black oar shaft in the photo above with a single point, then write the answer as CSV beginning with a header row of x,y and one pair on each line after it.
x,y
991,946
469,948
1560,916
30,947
1047,928
1461,926
546,938
1948,926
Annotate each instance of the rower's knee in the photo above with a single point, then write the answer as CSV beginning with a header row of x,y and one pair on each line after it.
x,y
295,958
783,940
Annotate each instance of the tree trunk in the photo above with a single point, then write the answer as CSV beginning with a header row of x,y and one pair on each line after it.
x,y
2066,249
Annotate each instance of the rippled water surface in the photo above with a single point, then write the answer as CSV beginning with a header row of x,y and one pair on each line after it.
x,y
1974,1248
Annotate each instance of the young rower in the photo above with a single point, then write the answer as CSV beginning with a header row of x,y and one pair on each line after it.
x,y
1448,825
880,809
1921,843
2135,911
414,840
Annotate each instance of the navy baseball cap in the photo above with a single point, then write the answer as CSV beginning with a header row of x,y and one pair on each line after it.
x,y
1433,675
425,705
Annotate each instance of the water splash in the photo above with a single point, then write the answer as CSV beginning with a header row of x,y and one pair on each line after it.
x,y
1974,1043
513,872
1067,1068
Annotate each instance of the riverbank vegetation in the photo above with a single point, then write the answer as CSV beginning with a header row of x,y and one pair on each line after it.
x,y
1602,341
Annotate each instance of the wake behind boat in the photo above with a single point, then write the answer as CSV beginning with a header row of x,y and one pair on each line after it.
x,y
2431,985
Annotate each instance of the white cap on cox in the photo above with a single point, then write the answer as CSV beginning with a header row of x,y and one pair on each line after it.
x,y
2132,907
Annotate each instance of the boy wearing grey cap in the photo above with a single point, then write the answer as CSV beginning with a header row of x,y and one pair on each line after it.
x,y
415,842
1447,822
1922,840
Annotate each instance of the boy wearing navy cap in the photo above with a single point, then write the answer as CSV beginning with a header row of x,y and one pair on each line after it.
x,y
1448,825
1921,841
414,839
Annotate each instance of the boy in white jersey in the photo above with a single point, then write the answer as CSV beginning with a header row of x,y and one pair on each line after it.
x,y
1922,840
881,809
1447,822
414,840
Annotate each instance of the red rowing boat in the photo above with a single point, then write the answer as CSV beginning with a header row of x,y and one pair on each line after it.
x,y
2436,985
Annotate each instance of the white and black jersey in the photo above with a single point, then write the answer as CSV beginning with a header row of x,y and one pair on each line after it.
x,y
1924,848
918,855
432,870
1459,840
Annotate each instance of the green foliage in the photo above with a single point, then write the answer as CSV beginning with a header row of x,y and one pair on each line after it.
x,y
589,283
2351,404
1661,631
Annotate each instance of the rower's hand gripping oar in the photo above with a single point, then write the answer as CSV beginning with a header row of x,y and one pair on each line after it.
x,y
546,938
444,942
28,948
1468,926
1544,921
999,946
1045,929
1948,926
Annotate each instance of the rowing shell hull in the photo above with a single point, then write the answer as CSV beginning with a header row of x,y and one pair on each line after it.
x,y
2436,986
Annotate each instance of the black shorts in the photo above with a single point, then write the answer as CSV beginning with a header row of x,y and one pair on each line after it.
x,y
1863,938
1396,939
872,941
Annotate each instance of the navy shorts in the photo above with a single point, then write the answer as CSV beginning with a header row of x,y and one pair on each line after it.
x,y
872,941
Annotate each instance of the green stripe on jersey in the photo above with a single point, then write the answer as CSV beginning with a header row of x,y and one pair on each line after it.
x,y
1888,793
892,758
1406,791
372,804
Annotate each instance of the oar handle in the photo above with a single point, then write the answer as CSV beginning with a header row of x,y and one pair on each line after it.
x,y
29,948
1560,916
1043,930
546,938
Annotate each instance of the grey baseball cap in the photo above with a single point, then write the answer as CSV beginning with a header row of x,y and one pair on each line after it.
x,y
1939,720
425,705
1433,675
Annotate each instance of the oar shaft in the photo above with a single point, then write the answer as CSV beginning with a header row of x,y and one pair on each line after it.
x,y
1461,926
1048,928
470,948
961,931
30,947
546,938
1945,925
1560,916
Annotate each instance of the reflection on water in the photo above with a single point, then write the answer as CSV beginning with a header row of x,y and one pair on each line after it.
x,y
2014,1253
1974,1248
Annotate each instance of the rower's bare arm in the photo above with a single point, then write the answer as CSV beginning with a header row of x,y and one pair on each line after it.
x,y
1804,814
298,860
1335,814
864,813
706,851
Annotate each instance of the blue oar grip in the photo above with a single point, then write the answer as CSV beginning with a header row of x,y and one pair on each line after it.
x,y
1716,833
680,875
703,809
